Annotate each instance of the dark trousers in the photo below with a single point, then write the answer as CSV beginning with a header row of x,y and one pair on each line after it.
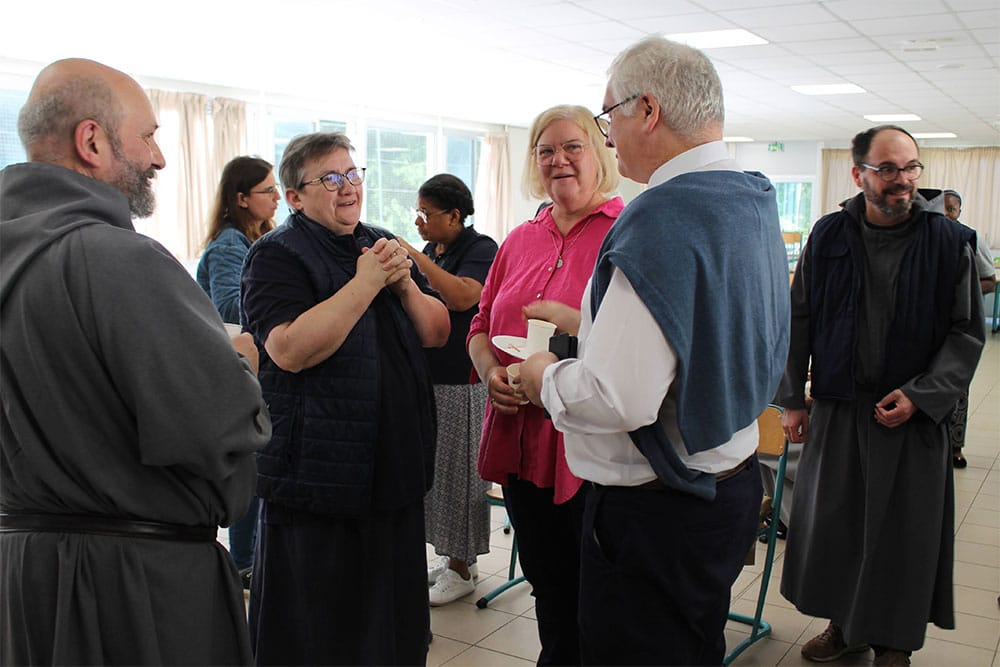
x,y
656,571
548,542
243,536
340,589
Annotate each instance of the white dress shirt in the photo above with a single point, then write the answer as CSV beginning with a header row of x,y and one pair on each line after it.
x,y
623,378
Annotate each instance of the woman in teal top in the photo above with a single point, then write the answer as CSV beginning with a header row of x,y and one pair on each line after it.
x,y
243,210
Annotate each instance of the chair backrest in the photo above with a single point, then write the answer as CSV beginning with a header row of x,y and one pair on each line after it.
x,y
793,241
771,437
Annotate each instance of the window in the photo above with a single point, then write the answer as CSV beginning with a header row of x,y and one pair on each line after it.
x,y
398,160
795,205
11,150
286,130
397,166
462,160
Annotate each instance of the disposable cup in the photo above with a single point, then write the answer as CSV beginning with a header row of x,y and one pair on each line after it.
x,y
514,379
539,332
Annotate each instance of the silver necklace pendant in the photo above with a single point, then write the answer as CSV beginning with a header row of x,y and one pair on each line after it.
x,y
559,262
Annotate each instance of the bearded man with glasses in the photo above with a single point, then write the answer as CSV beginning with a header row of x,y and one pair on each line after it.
x,y
886,308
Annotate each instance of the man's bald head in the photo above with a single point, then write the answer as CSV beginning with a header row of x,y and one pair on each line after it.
x,y
66,92
97,121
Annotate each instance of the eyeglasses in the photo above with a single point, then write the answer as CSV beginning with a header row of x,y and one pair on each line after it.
x,y
425,216
269,190
545,154
889,172
603,119
333,181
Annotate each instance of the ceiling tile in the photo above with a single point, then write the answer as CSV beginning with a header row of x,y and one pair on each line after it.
x,y
778,16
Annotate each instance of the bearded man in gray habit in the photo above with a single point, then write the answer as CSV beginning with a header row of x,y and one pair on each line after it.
x,y
129,421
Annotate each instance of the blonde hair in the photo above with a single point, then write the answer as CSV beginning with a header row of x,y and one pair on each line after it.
x,y
607,167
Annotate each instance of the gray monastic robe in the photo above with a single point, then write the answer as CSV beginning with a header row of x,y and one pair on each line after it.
x,y
122,397
870,541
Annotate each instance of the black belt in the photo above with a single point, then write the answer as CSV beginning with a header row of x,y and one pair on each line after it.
x,y
102,525
658,485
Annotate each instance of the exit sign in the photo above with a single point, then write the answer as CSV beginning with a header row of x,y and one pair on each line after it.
x,y
776,147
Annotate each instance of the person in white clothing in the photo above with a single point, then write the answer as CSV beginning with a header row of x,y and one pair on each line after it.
x,y
659,410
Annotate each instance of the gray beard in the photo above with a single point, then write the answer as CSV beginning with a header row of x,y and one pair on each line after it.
x,y
880,201
134,183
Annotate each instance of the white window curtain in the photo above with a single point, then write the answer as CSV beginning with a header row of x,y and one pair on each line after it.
x,y
229,126
493,188
972,172
196,145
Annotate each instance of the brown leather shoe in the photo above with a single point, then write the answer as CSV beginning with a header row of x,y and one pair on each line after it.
x,y
829,645
891,658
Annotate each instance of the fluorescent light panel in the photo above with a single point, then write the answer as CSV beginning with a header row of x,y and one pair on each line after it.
x,y
935,135
829,89
736,140
891,117
717,39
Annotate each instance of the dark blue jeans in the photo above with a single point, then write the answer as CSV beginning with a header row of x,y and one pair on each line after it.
x,y
243,536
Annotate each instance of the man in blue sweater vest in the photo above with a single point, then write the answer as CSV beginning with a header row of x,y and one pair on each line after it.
x,y
886,309
660,408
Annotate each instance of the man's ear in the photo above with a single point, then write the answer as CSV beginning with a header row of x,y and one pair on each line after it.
x,y
91,144
293,199
856,174
650,111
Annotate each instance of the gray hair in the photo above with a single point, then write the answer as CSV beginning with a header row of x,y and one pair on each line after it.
x,y
48,120
305,148
682,79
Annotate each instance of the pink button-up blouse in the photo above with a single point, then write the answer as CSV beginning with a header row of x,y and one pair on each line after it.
x,y
534,263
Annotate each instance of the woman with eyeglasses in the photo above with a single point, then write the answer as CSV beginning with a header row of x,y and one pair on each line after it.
x,y
243,211
455,260
341,316
540,272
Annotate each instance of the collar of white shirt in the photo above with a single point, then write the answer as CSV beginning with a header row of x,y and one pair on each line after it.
x,y
692,159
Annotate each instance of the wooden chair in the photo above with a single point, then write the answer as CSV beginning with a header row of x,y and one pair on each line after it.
x,y
771,440
793,248
494,496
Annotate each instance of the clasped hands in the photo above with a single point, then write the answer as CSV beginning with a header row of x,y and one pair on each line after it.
x,y
893,410
386,263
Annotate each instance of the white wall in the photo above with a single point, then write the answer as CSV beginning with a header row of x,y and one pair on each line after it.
x,y
799,158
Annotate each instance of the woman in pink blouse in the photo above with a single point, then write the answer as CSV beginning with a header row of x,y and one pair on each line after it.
x,y
540,271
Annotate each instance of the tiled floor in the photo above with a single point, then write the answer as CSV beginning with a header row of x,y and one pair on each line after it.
x,y
505,633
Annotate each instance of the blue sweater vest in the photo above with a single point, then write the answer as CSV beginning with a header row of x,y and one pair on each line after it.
x,y
704,253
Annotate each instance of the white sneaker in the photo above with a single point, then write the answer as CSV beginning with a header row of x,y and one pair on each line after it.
x,y
449,587
437,567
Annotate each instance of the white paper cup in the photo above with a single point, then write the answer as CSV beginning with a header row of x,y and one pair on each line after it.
x,y
232,329
514,375
514,379
539,332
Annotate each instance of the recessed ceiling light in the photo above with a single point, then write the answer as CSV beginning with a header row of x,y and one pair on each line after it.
x,y
736,140
829,89
717,39
891,117
934,135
